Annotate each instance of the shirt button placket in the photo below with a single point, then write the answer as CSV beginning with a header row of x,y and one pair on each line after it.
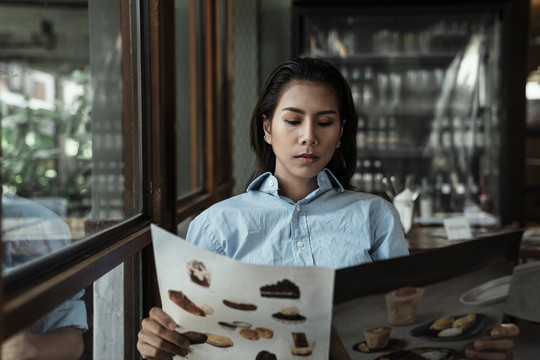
x,y
302,236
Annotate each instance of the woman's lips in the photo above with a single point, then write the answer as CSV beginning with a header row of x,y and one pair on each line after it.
x,y
307,158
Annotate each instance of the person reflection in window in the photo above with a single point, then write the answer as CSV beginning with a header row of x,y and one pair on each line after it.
x,y
30,230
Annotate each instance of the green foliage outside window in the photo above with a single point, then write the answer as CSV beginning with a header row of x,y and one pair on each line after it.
x,y
48,153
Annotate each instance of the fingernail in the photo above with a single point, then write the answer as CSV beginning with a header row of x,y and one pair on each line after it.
x,y
496,332
171,325
469,352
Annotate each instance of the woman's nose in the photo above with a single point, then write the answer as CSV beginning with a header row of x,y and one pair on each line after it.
x,y
309,137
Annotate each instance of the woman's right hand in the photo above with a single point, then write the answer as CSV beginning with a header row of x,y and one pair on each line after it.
x,y
158,338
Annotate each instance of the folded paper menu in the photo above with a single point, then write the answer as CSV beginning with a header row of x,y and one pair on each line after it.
x,y
234,310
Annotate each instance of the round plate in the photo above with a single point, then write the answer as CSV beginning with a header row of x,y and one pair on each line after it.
x,y
435,353
393,344
487,293
423,331
428,353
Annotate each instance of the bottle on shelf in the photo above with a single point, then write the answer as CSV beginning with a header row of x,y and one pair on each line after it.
x,y
368,95
333,42
426,200
356,180
479,141
381,133
395,88
446,133
392,137
383,87
468,135
457,199
434,141
378,187
485,199
361,133
356,86
472,190
367,177
446,195
437,195
371,133
349,42
457,137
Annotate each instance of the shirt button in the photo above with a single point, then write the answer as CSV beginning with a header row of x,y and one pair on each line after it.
x,y
297,207
300,244
271,183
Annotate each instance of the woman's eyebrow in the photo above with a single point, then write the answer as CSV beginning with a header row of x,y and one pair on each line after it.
x,y
324,112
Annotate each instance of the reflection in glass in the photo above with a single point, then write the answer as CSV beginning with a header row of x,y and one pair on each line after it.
x,y
61,91
70,160
31,230
188,152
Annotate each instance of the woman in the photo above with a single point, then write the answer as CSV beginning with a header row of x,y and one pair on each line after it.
x,y
297,210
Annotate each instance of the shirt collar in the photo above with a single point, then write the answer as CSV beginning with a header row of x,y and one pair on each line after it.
x,y
269,184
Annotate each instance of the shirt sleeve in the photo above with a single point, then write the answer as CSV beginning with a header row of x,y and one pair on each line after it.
x,y
70,313
200,233
388,237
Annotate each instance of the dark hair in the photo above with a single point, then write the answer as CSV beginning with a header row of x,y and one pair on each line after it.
x,y
343,163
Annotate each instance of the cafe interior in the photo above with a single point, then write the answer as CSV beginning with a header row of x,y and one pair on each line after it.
x,y
447,95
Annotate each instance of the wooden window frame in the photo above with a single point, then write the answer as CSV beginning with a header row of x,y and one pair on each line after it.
x,y
207,18
211,78
148,109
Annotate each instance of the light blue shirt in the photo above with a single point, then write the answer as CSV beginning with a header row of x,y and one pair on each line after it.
x,y
330,227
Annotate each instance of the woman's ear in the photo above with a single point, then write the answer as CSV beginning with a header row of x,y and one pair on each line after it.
x,y
267,127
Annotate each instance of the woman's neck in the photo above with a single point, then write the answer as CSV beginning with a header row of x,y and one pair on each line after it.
x,y
297,190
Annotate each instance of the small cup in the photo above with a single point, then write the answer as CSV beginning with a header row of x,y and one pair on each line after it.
x,y
402,306
377,337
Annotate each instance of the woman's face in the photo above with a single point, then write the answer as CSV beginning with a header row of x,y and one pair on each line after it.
x,y
304,132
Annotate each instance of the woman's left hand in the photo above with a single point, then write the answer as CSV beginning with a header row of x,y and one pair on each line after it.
x,y
499,347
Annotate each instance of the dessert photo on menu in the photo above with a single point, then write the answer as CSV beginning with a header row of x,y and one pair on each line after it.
x,y
234,310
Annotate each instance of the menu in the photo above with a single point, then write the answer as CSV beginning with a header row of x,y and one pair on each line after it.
x,y
233,310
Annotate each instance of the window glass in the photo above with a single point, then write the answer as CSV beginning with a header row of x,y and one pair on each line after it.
x,y
64,169
188,134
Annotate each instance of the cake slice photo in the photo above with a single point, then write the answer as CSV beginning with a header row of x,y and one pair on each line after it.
x,y
282,289
289,315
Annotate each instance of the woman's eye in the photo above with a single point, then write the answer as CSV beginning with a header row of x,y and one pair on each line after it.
x,y
325,123
292,122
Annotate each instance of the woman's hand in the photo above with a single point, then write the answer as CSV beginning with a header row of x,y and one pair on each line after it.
x,y
499,346
158,338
